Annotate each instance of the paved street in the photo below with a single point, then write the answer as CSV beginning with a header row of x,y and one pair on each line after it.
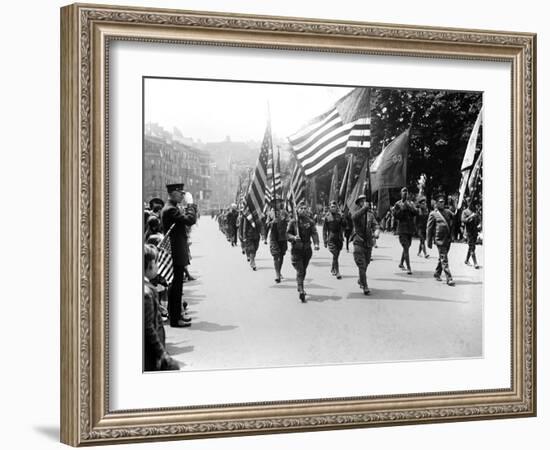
x,y
243,319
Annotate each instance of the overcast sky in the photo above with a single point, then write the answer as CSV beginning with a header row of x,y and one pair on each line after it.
x,y
212,110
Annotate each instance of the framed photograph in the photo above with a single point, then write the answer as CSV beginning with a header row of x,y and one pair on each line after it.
x,y
276,224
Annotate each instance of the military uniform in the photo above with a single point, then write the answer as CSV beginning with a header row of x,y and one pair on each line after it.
x,y
278,243
334,225
300,253
421,222
405,212
180,219
232,227
439,230
471,221
364,227
251,238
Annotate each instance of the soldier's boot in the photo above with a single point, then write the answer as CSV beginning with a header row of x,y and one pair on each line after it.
x,y
467,260
337,270
476,265
252,262
366,289
277,269
281,259
408,263
301,292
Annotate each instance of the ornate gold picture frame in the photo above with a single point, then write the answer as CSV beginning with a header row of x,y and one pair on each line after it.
x,y
87,32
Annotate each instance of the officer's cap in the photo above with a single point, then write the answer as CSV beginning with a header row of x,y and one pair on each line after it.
x,y
174,187
404,189
361,197
333,203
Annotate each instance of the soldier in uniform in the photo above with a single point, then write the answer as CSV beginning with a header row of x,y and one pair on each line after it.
x,y
180,219
421,222
405,211
276,229
251,237
365,230
439,230
334,225
300,233
232,224
471,220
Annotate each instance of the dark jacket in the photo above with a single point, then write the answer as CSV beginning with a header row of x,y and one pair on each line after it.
x,y
439,228
471,221
277,229
405,213
307,230
364,226
181,219
333,228
153,330
422,221
232,220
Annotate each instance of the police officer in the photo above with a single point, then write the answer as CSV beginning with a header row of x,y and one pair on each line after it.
x,y
439,230
405,211
365,230
334,225
300,232
180,219
276,229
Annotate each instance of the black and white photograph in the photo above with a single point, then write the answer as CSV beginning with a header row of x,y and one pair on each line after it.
x,y
291,224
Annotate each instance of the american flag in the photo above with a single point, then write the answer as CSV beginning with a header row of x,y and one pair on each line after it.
x,y
296,190
256,196
165,262
273,179
326,137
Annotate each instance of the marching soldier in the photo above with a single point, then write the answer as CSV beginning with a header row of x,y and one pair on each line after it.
x,y
276,228
300,232
181,219
439,230
471,221
421,222
251,237
232,224
365,230
405,211
334,225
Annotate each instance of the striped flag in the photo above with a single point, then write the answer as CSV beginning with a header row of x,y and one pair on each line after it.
x,y
326,137
297,187
255,199
273,179
165,262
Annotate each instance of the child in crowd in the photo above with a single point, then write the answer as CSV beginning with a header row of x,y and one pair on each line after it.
x,y
154,347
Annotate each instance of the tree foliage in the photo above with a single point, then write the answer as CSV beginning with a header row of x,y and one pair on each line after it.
x,y
441,123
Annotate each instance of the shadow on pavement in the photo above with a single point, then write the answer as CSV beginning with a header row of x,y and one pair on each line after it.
x,y
466,283
211,327
174,350
322,298
426,274
401,295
